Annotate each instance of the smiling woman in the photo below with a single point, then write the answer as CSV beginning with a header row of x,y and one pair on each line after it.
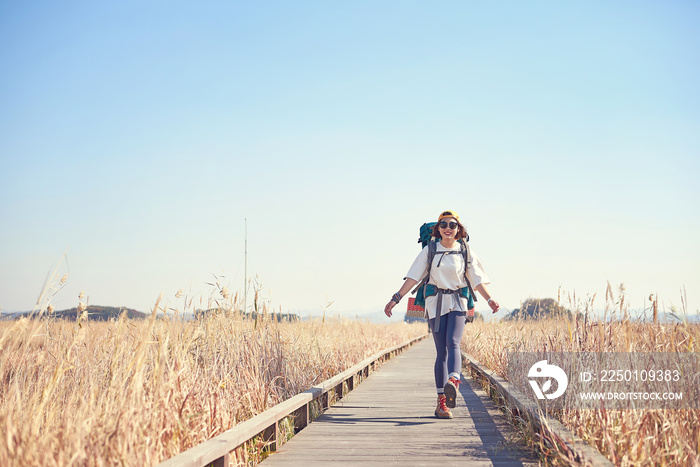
x,y
450,273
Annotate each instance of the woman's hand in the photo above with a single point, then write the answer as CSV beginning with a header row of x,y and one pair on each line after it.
x,y
408,283
481,288
389,306
494,305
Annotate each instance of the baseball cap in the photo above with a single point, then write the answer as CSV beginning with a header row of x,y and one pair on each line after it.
x,y
448,214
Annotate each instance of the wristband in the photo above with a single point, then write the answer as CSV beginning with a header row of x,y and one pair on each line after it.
x,y
396,297
491,300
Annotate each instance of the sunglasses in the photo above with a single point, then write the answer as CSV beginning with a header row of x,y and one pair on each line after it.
x,y
444,225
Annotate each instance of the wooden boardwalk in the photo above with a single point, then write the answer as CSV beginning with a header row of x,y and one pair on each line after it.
x,y
388,420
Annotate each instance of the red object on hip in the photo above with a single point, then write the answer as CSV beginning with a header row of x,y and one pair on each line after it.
x,y
412,305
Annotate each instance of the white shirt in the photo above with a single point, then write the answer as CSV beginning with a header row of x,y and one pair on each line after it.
x,y
449,275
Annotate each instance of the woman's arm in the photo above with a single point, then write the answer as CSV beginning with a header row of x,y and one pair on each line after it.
x,y
408,284
481,288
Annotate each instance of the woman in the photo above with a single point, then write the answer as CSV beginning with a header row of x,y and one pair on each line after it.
x,y
447,301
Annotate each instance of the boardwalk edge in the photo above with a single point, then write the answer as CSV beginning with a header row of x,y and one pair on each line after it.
x,y
576,448
216,451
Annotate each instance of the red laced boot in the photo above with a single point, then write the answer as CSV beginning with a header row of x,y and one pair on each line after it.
x,y
451,389
442,411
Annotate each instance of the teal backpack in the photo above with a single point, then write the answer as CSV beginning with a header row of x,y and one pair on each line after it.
x,y
423,289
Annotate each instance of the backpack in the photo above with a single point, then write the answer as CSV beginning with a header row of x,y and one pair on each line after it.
x,y
416,307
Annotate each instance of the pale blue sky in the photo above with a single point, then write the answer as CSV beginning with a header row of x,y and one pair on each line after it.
x,y
140,135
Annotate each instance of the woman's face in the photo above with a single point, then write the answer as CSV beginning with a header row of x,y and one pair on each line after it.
x,y
450,229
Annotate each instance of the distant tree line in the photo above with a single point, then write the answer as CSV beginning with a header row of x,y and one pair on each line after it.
x,y
539,308
532,308
289,317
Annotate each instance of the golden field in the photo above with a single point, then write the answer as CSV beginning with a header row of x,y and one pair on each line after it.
x,y
136,392
626,437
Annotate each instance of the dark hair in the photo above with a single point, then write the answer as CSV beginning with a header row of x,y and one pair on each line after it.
x,y
461,232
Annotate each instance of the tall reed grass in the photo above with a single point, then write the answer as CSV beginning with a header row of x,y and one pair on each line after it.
x,y
135,392
627,437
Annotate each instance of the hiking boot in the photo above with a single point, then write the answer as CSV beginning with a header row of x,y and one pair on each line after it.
x,y
442,411
451,388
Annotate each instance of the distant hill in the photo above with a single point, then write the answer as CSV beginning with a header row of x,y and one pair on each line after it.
x,y
539,308
95,313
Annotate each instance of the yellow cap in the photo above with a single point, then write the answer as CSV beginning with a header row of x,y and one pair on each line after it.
x,y
448,214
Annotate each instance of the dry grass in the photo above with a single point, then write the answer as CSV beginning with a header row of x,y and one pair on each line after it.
x,y
627,437
130,392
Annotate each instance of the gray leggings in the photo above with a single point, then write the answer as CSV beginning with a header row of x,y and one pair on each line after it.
x,y
449,356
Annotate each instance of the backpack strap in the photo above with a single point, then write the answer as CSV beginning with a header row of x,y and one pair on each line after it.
x,y
432,249
465,252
